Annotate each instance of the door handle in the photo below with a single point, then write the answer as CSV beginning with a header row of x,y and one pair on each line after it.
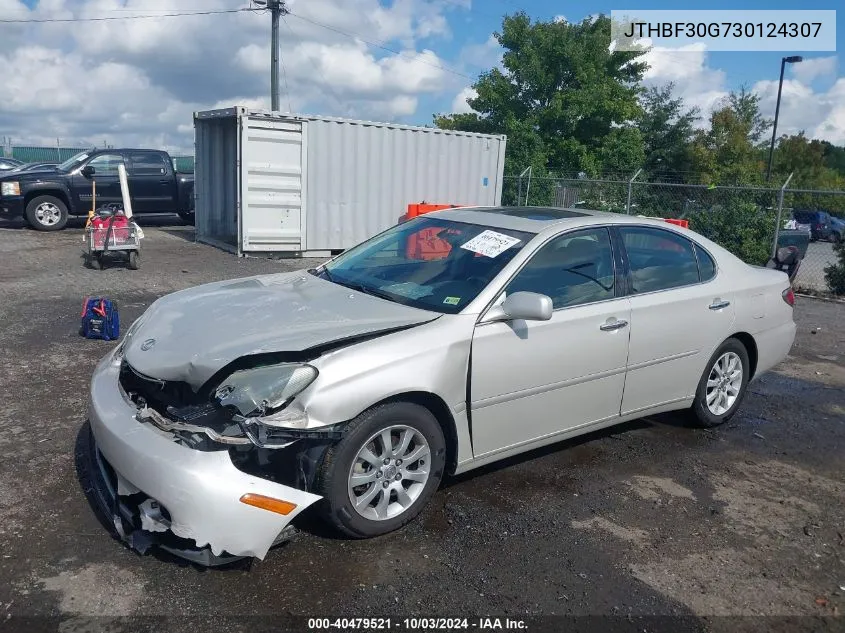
x,y
718,305
611,326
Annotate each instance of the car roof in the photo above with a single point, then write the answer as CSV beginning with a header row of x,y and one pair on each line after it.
x,y
539,219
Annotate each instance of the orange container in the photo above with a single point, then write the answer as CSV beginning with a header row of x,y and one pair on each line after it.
x,y
426,244
683,223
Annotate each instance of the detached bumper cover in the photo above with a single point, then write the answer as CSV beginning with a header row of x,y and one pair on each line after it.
x,y
200,491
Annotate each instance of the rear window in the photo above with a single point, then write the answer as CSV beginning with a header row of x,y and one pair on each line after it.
x,y
805,216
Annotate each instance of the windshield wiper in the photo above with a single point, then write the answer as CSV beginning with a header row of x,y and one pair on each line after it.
x,y
325,271
365,289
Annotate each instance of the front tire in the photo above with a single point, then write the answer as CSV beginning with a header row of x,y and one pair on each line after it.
x,y
722,386
46,213
188,218
383,472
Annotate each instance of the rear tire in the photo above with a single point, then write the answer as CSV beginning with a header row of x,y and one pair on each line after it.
x,y
46,213
721,390
134,260
396,482
187,218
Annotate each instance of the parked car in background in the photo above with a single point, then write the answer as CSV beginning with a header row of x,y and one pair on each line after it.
x,y
231,407
817,221
28,167
9,163
837,229
47,198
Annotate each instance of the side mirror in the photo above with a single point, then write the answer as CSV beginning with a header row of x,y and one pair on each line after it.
x,y
87,171
529,306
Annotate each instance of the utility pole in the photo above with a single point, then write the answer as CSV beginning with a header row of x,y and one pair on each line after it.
x,y
277,10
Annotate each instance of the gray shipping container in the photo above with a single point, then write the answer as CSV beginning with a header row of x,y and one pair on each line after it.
x,y
309,185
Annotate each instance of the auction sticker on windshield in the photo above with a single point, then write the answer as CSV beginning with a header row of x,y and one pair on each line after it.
x,y
490,243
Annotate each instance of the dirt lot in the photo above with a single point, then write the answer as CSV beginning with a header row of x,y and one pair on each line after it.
x,y
650,518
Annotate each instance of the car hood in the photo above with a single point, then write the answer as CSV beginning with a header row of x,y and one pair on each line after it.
x,y
190,335
29,176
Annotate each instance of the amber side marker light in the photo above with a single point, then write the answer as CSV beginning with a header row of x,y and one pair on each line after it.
x,y
268,503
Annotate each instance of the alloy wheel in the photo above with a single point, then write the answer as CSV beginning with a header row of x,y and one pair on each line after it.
x,y
724,383
389,472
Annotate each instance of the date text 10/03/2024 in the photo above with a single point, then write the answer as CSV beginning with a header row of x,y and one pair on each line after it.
x,y
416,624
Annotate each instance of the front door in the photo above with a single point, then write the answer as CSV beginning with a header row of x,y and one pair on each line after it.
x,y
535,379
106,177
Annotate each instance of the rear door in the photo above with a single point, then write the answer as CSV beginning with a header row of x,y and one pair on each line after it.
x,y
152,184
681,310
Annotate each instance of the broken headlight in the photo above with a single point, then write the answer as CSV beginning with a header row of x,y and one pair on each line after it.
x,y
260,392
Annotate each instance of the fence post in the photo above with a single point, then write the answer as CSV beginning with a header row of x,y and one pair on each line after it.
x,y
527,188
780,211
630,187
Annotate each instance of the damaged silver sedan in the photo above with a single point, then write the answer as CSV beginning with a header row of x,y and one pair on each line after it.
x,y
451,341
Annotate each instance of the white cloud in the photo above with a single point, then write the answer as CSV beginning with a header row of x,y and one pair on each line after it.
x,y
138,81
815,67
560,18
459,103
820,113
696,82
482,56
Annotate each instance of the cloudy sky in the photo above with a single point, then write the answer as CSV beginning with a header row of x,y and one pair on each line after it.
x,y
137,81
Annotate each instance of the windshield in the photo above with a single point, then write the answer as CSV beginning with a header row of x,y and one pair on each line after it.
x,y
429,263
73,161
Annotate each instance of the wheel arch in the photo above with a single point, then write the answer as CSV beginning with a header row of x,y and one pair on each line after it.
x,y
55,193
440,410
751,347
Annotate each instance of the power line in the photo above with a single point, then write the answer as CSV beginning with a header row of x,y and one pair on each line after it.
x,y
382,46
122,17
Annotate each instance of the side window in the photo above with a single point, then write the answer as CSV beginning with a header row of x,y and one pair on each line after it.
x,y
106,164
572,269
147,164
706,265
659,259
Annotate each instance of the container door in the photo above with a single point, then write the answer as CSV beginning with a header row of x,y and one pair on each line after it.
x,y
271,185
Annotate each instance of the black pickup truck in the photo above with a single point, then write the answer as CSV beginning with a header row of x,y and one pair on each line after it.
x,y
47,198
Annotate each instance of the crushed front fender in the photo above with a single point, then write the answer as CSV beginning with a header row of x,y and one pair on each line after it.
x,y
199,492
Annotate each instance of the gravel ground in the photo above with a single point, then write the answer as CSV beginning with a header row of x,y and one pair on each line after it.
x,y
713,528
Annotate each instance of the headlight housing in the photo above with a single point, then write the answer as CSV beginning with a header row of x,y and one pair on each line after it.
x,y
254,392
12,188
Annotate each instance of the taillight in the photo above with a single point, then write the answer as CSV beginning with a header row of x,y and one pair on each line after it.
x,y
789,296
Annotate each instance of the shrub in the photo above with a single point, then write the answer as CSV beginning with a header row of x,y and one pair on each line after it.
x,y
834,274
743,228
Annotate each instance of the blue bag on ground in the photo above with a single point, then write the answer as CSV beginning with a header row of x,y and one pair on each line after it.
x,y
100,319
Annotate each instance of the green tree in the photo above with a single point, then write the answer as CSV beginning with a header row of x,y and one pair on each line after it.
x,y
834,157
566,103
807,161
731,152
668,129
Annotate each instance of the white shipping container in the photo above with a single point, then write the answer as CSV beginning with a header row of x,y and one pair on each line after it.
x,y
309,185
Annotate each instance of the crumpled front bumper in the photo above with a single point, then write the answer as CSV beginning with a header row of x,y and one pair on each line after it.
x,y
199,491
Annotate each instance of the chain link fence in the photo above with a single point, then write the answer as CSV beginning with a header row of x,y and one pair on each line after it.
x,y
748,221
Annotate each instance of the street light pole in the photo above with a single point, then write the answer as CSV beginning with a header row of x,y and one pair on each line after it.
x,y
783,62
